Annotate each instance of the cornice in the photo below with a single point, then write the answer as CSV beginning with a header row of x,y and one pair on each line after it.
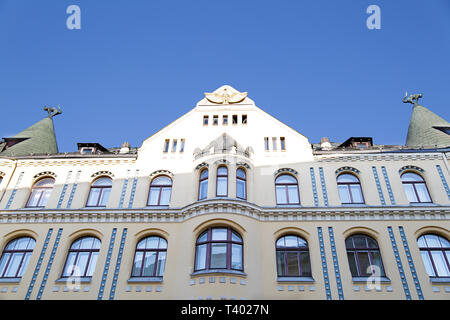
x,y
378,157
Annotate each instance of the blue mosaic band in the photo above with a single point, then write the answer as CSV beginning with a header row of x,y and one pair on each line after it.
x,y
74,188
38,265
133,190
377,181
118,262
314,187
107,263
324,187
336,264
49,264
399,264
444,182
63,192
13,194
388,185
124,190
324,264
411,264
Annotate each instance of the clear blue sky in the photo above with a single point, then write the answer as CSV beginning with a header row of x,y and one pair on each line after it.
x,y
135,66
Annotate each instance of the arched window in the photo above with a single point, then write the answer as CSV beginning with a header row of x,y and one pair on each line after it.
x,y
160,191
363,255
40,192
82,258
241,184
415,187
219,248
99,194
286,188
203,185
293,257
435,251
349,189
1,179
222,181
15,257
150,257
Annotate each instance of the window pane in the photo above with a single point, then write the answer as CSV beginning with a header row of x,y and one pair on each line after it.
x,y
70,262
409,176
152,243
162,243
149,264
356,193
240,189
137,264
154,195
349,243
240,173
364,263
376,261
347,178
104,197
360,241
302,243
432,241
81,264
162,181
444,242
3,263
222,186
103,182
93,197
161,264
218,256
235,237
204,174
48,182
280,243
203,192
286,178
31,244
203,237
421,242
44,199
219,234
427,262
305,264
96,244
165,196
422,192
86,243
352,263
440,264
344,194
293,194
22,243
292,264
410,194
281,265
200,259
236,256
92,264
291,241
34,198
281,195
13,266
222,171
372,243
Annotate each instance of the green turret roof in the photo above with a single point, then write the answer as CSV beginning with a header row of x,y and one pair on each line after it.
x,y
427,129
38,139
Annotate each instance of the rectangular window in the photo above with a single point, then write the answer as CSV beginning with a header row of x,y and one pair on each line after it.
x,y
244,119
266,143
215,120
205,120
182,145
218,256
225,120
174,145
166,145
235,119
200,259
283,143
274,143
236,256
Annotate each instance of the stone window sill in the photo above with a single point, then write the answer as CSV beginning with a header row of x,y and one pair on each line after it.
x,y
442,280
145,279
10,280
370,279
296,279
74,279
219,271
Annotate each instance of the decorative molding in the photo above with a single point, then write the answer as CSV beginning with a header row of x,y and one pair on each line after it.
x,y
399,264
107,263
74,188
348,169
13,194
378,157
336,264
118,262
124,189
285,170
314,186
64,189
242,164
133,189
406,168
444,182
2,174
388,185
161,172
222,161
201,165
377,181
103,173
44,173
324,186
324,264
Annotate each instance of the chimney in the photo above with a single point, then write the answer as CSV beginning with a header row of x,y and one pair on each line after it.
x,y
325,143
125,148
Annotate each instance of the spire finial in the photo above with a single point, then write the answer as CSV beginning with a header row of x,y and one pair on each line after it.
x,y
413,98
52,111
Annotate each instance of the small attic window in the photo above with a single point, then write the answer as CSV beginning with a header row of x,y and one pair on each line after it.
x,y
244,119
225,120
87,150
215,120
235,119
205,120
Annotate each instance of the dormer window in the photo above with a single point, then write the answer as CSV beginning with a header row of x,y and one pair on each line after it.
x,y
166,145
91,148
87,150
283,143
205,120
244,119
235,119
215,120
225,120
174,145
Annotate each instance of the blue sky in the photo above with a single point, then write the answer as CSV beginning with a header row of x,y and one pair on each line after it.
x,y
135,66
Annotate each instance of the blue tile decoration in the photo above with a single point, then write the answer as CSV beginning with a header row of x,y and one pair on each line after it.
x,y
107,263
63,192
314,187
324,187
124,190
342,169
133,189
377,181
444,182
411,264
49,264
13,194
324,264
336,264
399,264
38,265
118,262
406,168
74,188
388,185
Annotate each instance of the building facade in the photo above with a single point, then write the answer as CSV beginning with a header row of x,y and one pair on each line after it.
x,y
225,202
